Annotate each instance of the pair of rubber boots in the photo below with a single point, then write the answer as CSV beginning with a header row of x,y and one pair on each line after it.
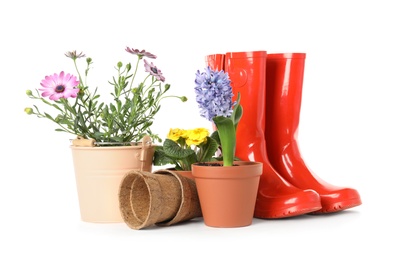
x,y
270,86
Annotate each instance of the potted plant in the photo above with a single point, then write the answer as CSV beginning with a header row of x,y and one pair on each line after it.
x,y
183,147
112,137
227,189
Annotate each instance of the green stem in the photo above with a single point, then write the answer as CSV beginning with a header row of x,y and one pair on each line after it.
x,y
227,136
136,69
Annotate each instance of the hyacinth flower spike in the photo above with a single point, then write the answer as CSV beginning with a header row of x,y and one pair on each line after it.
x,y
214,97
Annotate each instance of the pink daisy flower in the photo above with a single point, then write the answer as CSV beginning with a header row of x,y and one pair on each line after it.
x,y
141,53
59,86
154,71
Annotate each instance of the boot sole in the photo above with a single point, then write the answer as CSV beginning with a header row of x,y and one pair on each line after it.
x,y
338,206
287,212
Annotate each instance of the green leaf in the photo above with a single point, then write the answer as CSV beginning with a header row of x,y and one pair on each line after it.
x,y
113,108
207,150
173,150
227,135
160,158
215,136
237,111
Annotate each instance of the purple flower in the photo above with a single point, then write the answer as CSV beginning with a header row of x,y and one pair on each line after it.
x,y
141,53
154,71
59,86
213,93
74,55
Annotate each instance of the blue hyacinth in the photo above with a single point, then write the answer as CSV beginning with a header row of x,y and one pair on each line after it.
x,y
214,97
213,93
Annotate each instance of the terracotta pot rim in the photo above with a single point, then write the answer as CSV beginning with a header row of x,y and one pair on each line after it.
x,y
253,169
237,163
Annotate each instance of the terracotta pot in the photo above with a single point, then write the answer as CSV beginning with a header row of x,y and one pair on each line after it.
x,y
99,171
227,194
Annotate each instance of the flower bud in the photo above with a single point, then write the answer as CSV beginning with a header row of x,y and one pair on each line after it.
x,y
184,99
119,64
28,92
28,110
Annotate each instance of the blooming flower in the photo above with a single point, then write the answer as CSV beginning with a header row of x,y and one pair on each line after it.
x,y
196,136
59,86
141,53
214,97
74,55
183,147
175,133
153,70
213,93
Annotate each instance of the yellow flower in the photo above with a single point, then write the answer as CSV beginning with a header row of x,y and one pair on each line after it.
x,y
175,133
197,136
185,147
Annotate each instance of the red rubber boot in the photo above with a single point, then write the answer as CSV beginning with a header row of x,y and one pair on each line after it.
x,y
276,197
284,79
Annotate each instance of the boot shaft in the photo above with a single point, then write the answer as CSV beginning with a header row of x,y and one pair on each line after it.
x,y
284,82
215,61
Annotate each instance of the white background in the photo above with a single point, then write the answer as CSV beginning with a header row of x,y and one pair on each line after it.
x,y
347,131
